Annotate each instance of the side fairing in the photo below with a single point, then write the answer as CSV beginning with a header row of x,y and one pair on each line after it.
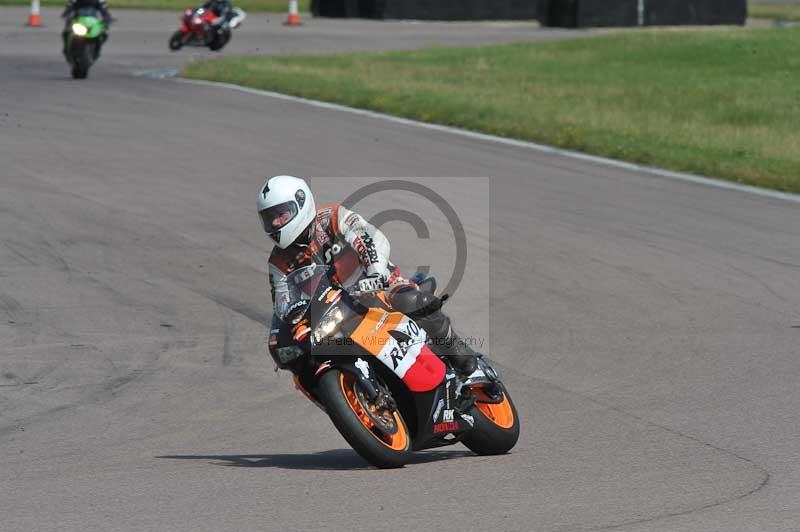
x,y
399,343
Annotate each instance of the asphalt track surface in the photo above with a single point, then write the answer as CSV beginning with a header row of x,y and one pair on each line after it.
x,y
648,328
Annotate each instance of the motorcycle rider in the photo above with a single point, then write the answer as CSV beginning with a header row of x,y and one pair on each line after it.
x,y
72,8
223,11
359,252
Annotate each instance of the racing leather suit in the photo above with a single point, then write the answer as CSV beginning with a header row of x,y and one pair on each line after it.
x,y
355,248
222,9
75,5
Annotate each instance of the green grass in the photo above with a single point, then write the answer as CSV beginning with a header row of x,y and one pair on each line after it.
x,y
722,103
774,10
274,6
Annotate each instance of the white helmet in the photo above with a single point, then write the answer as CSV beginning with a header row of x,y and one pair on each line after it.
x,y
287,209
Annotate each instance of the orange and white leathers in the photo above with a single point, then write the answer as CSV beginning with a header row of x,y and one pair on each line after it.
x,y
345,240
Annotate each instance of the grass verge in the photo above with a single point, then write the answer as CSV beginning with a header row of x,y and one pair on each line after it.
x,y
722,103
775,10
274,6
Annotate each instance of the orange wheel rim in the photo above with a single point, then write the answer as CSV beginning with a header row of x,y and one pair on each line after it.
x,y
397,441
500,413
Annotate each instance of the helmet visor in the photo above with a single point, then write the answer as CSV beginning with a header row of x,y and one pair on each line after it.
x,y
276,217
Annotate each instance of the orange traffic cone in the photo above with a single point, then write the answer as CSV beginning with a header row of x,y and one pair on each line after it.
x,y
294,15
35,19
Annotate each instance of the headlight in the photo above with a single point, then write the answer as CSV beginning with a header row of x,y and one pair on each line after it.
x,y
79,29
327,324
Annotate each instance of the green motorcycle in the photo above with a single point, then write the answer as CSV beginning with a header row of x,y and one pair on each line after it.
x,y
85,36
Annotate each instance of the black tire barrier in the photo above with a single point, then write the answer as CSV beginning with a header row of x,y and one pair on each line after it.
x,y
428,9
677,12
594,13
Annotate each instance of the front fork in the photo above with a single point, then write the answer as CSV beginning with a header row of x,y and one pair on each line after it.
x,y
360,369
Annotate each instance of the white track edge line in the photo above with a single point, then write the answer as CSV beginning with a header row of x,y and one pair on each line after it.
x,y
670,174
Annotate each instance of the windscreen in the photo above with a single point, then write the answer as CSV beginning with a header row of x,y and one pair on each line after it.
x,y
294,291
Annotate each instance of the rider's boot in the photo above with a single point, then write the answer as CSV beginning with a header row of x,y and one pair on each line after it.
x,y
463,358
466,356
446,343
425,309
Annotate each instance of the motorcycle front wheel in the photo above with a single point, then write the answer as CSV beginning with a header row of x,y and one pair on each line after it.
x,y
376,433
81,61
176,41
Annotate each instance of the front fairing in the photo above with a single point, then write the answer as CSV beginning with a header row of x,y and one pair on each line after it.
x,y
93,25
195,19
329,301
302,313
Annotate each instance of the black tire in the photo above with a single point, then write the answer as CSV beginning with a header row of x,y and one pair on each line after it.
x,y
81,61
364,441
176,41
487,437
220,40
80,70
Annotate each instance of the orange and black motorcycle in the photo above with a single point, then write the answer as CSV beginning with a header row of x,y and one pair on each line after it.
x,y
371,370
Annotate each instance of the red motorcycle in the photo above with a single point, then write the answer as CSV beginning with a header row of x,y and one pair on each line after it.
x,y
197,29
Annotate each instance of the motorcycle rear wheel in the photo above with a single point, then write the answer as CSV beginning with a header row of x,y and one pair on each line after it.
x,y
381,437
220,40
496,428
